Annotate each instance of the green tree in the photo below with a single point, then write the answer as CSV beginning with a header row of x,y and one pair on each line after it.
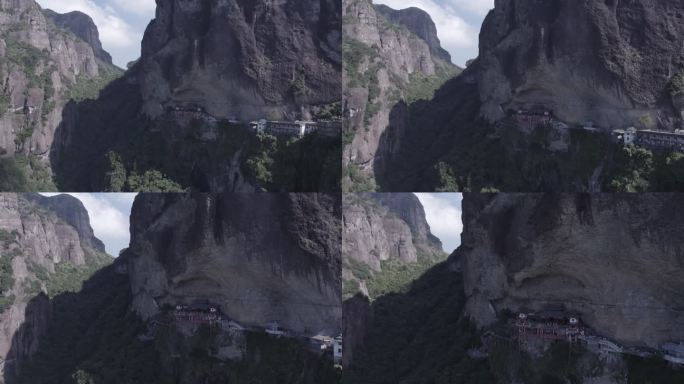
x,y
115,173
152,181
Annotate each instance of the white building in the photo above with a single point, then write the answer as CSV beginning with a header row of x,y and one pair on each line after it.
x,y
630,136
337,349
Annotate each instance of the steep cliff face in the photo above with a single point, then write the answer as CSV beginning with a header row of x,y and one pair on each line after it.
x,y
70,210
612,62
42,67
84,28
613,259
420,24
207,69
386,244
381,227
258,257
243,59
37,249
392,58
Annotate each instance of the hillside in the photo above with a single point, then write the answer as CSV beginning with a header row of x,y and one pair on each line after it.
x,y
392,59
180,119
42,255
46,60
386,245
611,262
622,70
192,297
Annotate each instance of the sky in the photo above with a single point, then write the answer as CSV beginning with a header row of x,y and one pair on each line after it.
x,y
109,216
121,23
458,23
443,214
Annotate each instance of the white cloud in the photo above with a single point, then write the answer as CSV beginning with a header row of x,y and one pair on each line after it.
x,y
109,216
457,21
115,32
479,7
443,214
138,7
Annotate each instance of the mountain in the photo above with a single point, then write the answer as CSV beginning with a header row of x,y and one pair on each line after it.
x,y
614,63
44,253
609,260
259,258
610,65
252,259
180,117
242,59
44,65
83,27
386,244
392,59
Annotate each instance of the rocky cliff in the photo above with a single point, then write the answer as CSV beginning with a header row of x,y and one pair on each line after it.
x,y
380,227
386,244
392,58
42,67
614,62
83,27
258,257
40,253
613,259
242,59
207,69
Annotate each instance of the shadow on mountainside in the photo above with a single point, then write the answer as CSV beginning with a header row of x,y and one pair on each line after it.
x,y
91,330
108,144
422,336
448,146
92,337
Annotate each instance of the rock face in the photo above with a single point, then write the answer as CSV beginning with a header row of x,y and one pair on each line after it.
x,y
70,210
258,257
614,259
35,239
243,59
380,227
41,63
387,52
612,62
84,28
420,24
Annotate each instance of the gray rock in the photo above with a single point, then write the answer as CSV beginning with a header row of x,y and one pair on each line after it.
x,y
259,257
614,259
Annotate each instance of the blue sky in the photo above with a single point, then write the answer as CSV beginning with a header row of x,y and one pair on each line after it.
x,y
458,23
109,216
121,23
443,214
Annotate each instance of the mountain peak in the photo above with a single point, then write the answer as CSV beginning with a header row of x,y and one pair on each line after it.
x,y
419,23
83,26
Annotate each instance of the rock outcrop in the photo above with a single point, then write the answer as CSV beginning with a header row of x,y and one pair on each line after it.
x,y
392,58
70,210
258,257
207,69
380,227
616,260
243,59
37,235
612,62
84,28
41,65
